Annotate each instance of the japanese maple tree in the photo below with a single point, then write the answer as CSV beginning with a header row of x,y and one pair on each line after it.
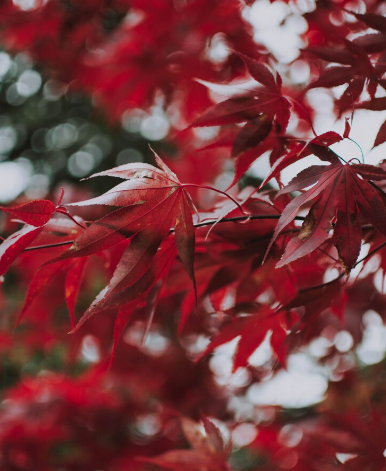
x,y
250,239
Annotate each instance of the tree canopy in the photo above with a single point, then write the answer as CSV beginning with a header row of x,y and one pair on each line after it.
x,y
221,266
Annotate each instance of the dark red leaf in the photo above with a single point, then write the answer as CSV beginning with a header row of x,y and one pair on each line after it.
x,y
333,77
372,20
315,228
381,136
72,285
123,317
372,42
260,73
369,172
330,54
12,247
347,236
252,329
347,128
232,111
39,282
376,104
36,213
252,133
185,236
340,192
350,96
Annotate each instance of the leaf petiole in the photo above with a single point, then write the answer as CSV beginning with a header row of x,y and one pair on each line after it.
x,y
360,148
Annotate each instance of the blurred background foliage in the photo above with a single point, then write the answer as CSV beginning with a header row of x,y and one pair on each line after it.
x,y
50,133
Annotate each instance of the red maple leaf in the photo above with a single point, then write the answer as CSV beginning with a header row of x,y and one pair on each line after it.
x,y
35,214
262,109
252,329
151,202
341,193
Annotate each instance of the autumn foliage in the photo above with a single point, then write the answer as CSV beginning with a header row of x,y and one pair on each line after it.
x,y
247,229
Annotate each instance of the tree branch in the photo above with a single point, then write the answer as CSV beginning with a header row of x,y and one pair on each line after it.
x,y
380,246
198,224
48,246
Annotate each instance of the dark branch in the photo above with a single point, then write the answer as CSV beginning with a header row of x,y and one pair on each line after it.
x,y
199,224
49,246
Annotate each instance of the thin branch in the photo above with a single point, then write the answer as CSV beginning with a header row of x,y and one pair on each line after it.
x,y
199,224
243,218
311,288
231,219
342,274
49,246
370,253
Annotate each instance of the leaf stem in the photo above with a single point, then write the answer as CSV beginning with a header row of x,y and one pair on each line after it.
x,y
48,246
62,210
311,288
243,218
380,246
60,197
370,253
360,148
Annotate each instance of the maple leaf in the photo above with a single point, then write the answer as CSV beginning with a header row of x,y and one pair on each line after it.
x,y
36,213
376,104
356,68
74,270
364,437
151,202
319,146
372,42
14,245
252,330
340,194
309,303
263,109
145,292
